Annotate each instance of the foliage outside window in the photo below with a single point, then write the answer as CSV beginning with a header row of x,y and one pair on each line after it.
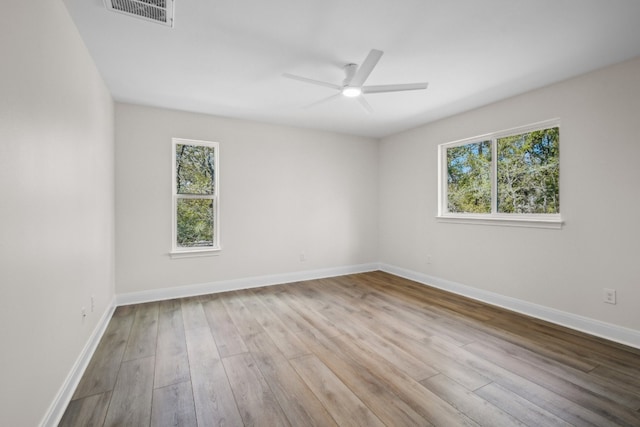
x,y
195,196
511,175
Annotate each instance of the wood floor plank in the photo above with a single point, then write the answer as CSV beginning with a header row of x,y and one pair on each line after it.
x,y
131,398
415,296
511,332
384,349
415,314
475,407
401,334
605,387
170,305
193,316
518,407
285,340
625,380
173,406
240,315
102,371
172,364
222,327
258,406
594,397
555,403
577,344
171,369
171,339
610,354
86,412
429,405
373,391
144,333
348,321
214,402
275,303
379,290
438,298
300,405
327,299
345,407
300,305
516,337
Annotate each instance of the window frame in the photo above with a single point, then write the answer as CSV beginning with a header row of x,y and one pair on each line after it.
x,y
553,221
182,252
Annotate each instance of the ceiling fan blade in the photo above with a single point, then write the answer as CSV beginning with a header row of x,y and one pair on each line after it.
x,y
365,104
394,88
322,101
366,68
312,81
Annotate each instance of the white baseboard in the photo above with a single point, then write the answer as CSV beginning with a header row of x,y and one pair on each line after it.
x,y
56,410
590,326
236,284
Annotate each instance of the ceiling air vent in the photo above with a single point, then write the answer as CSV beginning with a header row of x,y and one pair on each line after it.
x,y
160,11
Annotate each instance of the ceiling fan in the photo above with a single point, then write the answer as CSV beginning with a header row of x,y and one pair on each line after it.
x,y
353,84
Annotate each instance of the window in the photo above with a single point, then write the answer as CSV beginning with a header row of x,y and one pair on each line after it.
x,y
195,197
509,177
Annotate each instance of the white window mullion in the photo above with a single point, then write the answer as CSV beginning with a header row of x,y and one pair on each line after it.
x,y
442,177
494,176
195,196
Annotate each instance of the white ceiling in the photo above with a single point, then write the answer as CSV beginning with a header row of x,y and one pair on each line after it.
x,y
226,57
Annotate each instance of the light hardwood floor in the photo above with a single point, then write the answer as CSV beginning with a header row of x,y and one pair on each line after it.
x,y
361,350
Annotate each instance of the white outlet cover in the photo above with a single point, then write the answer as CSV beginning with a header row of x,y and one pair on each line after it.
x,y
609,296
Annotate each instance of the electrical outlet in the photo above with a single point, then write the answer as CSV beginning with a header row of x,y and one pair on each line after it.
x,y
303,257
428,259
93,303
609,296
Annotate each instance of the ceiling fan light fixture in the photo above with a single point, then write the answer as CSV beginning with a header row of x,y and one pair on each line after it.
x,y
354,83
351,92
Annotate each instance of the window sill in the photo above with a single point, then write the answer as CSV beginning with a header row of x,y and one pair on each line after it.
x,y
194,253
547,221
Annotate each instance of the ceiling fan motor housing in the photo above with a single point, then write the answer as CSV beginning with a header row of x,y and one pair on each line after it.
x,y
350,71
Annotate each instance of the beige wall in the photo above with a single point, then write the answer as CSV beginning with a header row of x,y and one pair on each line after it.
x,y
282,191
56,205
565,270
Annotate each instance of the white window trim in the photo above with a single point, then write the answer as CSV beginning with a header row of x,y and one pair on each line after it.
x,y
177,252
551,221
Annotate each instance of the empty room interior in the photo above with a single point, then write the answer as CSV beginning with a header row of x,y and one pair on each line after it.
x,y
320,213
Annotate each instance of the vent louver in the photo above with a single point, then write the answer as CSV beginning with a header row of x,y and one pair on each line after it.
x,y
160,11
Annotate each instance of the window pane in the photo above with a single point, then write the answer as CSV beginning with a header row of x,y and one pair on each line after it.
x,y
469,178
528,172
195,223
194,169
